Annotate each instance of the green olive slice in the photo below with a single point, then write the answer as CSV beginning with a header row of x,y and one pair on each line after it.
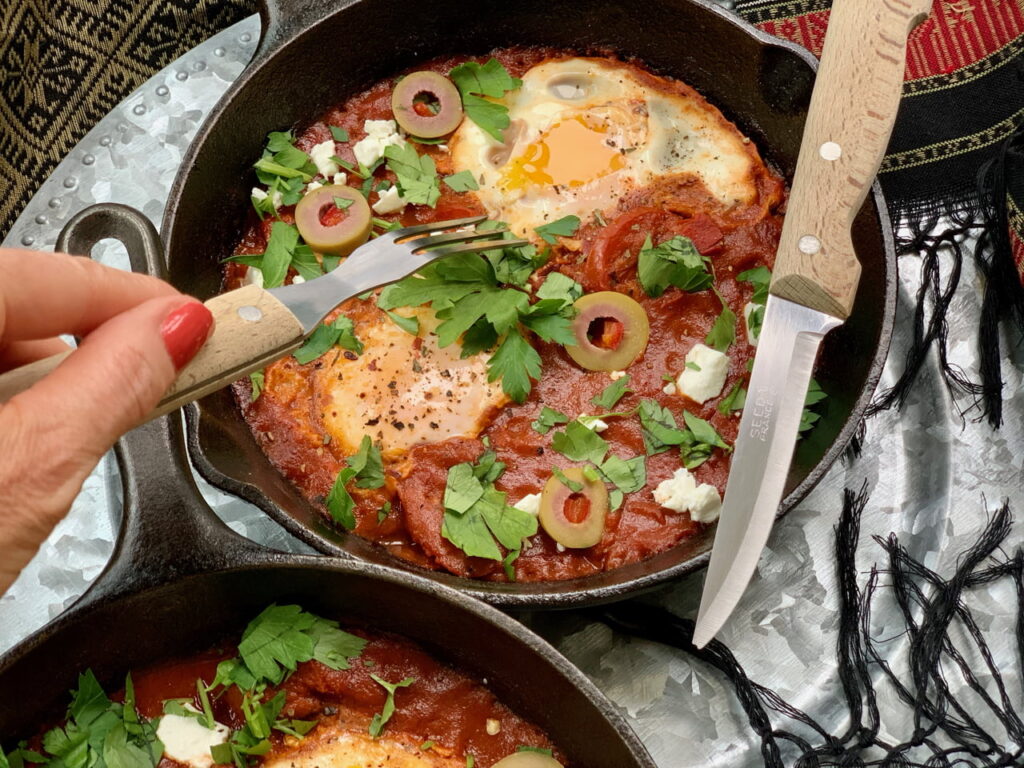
x,y
427,104
575,519
611,331
527,760
330,227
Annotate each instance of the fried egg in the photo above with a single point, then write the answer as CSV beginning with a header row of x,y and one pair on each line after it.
x,y
336,748
584,132
403,389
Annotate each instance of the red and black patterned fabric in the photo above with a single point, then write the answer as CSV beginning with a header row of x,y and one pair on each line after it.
x,y
954,171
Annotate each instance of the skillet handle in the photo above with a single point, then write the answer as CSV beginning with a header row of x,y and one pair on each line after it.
x,y
281,20
167,531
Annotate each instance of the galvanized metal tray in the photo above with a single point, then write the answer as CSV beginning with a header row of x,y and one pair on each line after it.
x,y
930,474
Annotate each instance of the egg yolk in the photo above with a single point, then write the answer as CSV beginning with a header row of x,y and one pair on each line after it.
x,y
570,154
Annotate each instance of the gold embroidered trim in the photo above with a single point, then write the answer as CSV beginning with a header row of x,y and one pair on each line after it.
x,y
967,74
951,148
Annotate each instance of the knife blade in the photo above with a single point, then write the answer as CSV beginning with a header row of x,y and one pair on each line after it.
x,y
815,277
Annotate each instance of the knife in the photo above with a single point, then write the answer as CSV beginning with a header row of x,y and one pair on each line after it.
x,y
814,282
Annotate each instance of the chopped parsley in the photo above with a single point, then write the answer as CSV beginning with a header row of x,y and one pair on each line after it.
x,y
760,278
462,181
809,417
541,750
283,160
417,174
257,381
476,81
366,467
701,440
612,394
340,333
408,324
580,443
627,475
547,419
563,227
734,401
661,432
723,332
380,719
338,134
278,257
562,288
675,262
477,517
572,485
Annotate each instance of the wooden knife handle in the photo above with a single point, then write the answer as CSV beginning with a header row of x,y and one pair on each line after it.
x,y
252,329
853,108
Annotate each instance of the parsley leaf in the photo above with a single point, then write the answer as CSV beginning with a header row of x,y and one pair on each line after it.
x,y
627,475
612,394
564,479
334,647
339,501
723,332
278,257
551,322
380,719
659,428
463,489
417,175
515,363
578,443
462,181
702,438
547,419
560,287
477,80
563,227
760,278
256,380
340,332
675,262
734,401
338,134
815,394
408,324
368,465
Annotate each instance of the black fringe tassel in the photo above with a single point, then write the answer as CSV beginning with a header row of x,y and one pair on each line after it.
x,y
946,731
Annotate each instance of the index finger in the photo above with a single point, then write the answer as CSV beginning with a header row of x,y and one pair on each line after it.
x,y
47,294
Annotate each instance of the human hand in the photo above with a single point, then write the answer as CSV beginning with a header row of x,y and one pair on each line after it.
x,y
138,331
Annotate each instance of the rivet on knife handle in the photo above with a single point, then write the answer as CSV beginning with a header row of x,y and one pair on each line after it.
x,y
850,119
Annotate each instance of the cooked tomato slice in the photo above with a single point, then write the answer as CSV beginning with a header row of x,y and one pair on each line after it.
x,y
612,258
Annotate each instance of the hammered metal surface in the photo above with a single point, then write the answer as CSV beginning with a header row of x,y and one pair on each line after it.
x,y
929,472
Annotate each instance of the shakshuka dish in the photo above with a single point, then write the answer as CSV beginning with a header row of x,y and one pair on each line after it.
x,y
538,412
295,691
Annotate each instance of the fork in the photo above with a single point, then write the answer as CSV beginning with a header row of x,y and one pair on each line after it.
x,y
254,326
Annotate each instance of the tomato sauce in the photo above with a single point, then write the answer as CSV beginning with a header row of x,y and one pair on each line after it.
x,y
442,705
601,256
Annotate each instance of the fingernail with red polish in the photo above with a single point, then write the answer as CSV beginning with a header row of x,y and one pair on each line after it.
x,y
184,331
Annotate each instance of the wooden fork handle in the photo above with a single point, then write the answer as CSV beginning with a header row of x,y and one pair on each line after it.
x,y
852,111
252,329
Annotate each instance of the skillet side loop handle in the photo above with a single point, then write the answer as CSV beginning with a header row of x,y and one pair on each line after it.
x,y
281,20
851,116
167,530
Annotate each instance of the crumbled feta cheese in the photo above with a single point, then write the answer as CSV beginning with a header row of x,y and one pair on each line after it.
x,y
340,178
530,504
258,194
592,423
389,201
493,726
298,280
707,376
321,156
379,135
276,198
188,741
681,493
559,546
616,375
670,388
253,276
313,186
748,310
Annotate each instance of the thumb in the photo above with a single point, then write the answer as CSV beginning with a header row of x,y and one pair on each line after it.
x,y
53,434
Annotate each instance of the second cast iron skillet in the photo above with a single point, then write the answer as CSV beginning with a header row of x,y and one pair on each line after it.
x,y
180,580
315,53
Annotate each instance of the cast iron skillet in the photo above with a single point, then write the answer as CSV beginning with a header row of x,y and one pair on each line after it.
x,y
179,580
314,54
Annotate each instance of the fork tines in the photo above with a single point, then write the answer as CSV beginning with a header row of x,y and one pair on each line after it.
x,y
466,241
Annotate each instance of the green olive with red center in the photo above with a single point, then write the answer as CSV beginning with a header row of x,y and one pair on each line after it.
x,y
528,760
574,514
611,331
427,104
334,219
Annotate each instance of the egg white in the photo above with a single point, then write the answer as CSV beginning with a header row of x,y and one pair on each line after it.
x,y
598,119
